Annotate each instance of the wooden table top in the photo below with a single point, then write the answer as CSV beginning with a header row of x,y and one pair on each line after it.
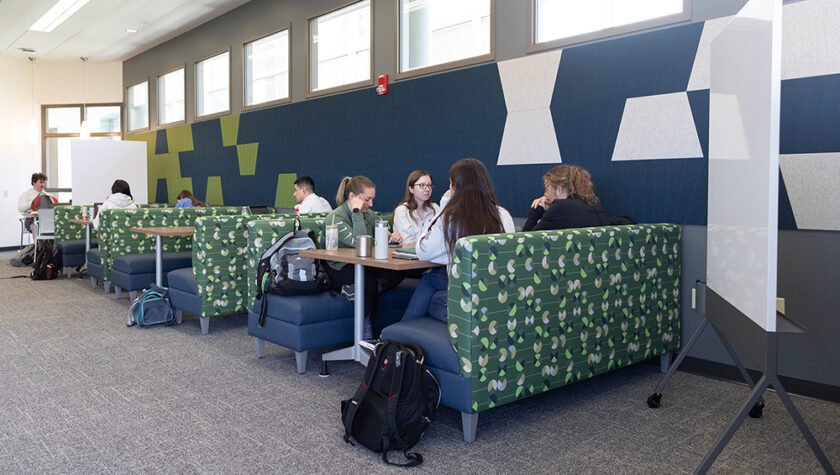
x,y
348,255
166,231
86,222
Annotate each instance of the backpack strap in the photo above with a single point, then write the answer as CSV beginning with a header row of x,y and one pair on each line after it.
x,y
361,392
414,458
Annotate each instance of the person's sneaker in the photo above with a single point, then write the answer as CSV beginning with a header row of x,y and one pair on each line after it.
x,y
368,331
348,291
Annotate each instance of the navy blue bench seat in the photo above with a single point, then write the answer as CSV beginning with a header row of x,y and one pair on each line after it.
x,y
95,271
183,293
134,272
304,322
73,253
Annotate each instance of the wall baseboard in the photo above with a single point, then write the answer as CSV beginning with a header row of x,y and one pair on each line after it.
x,y
9,248
797,386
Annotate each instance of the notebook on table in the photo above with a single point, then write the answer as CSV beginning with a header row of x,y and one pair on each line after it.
x,y
405,253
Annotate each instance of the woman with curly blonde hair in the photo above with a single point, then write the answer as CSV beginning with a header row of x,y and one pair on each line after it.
x,y
569,201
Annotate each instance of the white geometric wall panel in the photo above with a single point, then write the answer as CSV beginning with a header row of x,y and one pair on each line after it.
x,y
528,84
810,42
656,127
810,39
700,72
811,181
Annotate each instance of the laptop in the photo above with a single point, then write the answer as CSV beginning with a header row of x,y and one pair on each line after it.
x,y
260,210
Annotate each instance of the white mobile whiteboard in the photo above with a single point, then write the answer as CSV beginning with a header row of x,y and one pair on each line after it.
x,y
95,164
744,103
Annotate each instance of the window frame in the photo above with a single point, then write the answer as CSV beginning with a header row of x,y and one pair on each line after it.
x,y
214,115
82,116
344,87
436,68
148,108
158,123
274,102
533,46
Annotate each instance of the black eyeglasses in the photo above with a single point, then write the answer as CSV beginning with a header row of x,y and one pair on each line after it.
x,y
424,185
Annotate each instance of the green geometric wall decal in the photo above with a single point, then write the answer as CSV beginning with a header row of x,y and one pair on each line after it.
x,y
247,154
180,138
285,188
151,178
230,130
214,191
174,185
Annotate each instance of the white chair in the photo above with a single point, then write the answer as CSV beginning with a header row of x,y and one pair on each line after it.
x,y
44,226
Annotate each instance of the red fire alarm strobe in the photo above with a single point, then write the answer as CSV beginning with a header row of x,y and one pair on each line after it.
x,y
382,85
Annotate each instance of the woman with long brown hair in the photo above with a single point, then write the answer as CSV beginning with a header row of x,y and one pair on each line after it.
x,y
416,210
569,201
187,200
467,209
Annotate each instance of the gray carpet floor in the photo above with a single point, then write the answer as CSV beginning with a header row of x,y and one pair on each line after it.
x,y
82,393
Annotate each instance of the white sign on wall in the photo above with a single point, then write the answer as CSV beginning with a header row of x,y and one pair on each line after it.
x,y
97,163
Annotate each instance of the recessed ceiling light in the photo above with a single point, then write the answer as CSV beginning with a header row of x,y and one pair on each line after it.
x,y
62,10
130,30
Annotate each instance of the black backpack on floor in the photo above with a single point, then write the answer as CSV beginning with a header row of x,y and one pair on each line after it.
x,y
47,262
395,403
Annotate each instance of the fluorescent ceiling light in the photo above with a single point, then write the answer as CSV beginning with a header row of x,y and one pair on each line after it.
x,y
56,15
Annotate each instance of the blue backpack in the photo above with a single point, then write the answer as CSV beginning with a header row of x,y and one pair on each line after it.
x,y
152,308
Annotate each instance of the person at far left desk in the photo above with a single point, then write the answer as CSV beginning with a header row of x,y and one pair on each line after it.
x,y
39,182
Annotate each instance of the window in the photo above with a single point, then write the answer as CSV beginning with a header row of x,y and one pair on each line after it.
x,y
171,97
436,32
339,48
63,123
267,69
212,85
562,22
137,105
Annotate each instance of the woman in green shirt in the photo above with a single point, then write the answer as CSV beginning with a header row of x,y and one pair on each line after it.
x,y
353,217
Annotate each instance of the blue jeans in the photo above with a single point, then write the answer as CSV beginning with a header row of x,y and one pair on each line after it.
x,y
430,296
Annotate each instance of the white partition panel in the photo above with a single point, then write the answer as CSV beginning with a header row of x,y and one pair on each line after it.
x,y
744,161
97,163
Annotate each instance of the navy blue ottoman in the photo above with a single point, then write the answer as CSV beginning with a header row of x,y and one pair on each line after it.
x,y
73,253
134,272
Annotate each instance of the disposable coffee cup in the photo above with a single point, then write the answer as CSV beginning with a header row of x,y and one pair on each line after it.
x,y
332,236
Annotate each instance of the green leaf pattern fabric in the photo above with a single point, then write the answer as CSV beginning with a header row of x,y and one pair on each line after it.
x,y
531,311
116,239
66,231
220,262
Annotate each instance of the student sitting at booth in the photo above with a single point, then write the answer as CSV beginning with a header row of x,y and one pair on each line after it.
x,y
120,197
187,200
468,208
354,218
569,202
307,200
416,211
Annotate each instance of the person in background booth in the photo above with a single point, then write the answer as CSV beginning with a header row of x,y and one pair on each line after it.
x,y
120,197
569,202
468,208
307,200
353,218
187,200
416,211
39,182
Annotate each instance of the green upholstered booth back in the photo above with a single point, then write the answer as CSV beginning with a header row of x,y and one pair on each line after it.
x,y
532,311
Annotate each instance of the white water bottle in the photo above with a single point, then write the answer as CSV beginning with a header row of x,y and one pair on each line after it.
x,y
380,236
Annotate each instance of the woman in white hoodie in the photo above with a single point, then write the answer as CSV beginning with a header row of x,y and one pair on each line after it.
x,y
120,197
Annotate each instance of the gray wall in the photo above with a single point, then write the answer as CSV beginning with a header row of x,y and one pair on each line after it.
x,y
261,17
809,267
